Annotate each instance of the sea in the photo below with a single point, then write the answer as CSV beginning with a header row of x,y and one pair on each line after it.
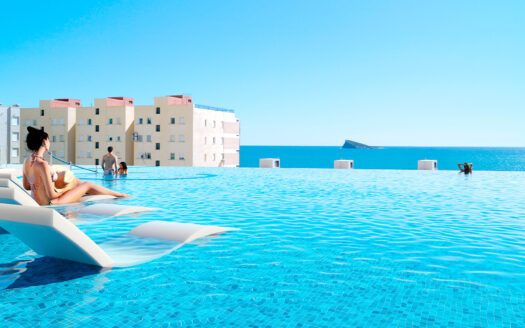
x,y
388,158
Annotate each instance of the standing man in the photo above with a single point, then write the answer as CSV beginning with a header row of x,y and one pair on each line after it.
x,y
109,162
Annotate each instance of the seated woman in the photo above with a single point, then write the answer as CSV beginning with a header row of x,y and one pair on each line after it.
x,y
122,169
465,168
43,181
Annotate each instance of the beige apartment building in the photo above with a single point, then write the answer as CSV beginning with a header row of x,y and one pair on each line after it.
x,y
58,117
172,132
177,132
108,123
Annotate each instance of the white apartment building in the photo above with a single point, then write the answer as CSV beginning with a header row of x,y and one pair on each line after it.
x,y
172,132
58,117
9,134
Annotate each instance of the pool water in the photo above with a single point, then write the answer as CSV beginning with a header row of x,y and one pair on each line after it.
x,y
317,248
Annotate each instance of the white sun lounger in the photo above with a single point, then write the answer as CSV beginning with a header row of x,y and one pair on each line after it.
x,y
13,192
48,233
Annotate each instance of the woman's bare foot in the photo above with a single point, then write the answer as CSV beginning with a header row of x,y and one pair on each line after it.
x,y
121,195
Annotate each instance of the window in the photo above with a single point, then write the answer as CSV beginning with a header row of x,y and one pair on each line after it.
x,y
141,120
181,157
181,138
118,138
118,120
80,122
172,138
14,152
89,121
80,154
157,146
157,128
173,120
205,157
158,110
110,121
97,111
96,161
110,138
80,138
213,157
88,154
61,155
140,138
15,120
148,138
54,138
181,120
149,120
54,121
172,156
61,138
213,140
214,124
28,122
89,138
157,163
205,123
14,136
61,121
34,122
205,140
96,128
41,112
96,145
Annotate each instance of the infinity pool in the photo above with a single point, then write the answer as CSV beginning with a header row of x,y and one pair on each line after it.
x,y
323,248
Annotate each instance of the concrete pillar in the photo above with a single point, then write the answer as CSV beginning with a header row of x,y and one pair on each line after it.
x,y
427,164
269,163
344,164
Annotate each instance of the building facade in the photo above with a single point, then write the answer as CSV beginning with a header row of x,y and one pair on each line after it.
x,y
58,118
172,132
9,134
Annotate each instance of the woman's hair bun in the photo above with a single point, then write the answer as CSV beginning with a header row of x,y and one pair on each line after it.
x,y
35,137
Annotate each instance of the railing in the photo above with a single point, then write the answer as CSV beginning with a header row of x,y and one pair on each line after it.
x,y
71,164
215,108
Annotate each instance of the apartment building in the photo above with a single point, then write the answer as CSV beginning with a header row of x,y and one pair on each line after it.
x,y
9,134
108,123
172,132
58,117
177,132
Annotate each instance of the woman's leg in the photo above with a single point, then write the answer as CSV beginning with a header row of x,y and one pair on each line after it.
x,y
74,195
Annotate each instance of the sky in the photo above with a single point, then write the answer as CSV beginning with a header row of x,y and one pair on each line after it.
x,y
390,73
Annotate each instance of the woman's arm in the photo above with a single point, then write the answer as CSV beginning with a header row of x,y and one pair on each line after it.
x,y
460,168
49,186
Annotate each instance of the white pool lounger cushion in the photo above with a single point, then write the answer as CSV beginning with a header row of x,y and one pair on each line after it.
x,y
48,233
112,209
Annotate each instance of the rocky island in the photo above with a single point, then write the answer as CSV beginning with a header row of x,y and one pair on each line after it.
x,y
349,144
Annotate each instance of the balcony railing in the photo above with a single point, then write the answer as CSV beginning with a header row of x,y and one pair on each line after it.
x,y
215,108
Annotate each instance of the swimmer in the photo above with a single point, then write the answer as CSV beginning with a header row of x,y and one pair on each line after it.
x,y
109,162
465,168
123,168
43,182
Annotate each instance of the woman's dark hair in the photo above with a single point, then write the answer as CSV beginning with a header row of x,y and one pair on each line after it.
x,y
35,138
124,166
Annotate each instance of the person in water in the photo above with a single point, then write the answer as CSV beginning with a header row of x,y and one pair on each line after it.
x,y
123,168
109,162
465,168
41,179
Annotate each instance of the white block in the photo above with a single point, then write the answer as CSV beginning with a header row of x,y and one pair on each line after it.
x,y
427,164
344,164
269,163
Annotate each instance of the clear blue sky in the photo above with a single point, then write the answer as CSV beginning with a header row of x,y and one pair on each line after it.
x,y
421,73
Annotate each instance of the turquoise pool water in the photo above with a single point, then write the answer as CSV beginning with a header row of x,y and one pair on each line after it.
x,y
317,248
